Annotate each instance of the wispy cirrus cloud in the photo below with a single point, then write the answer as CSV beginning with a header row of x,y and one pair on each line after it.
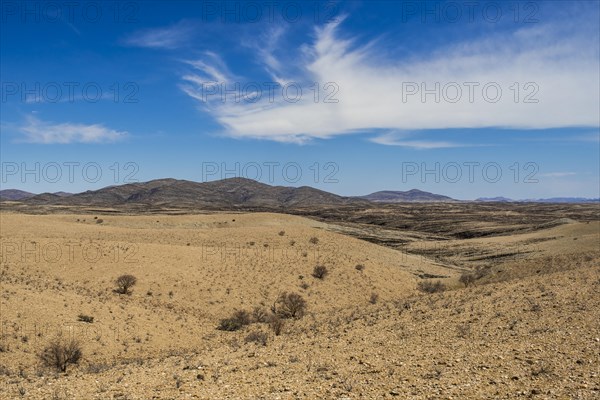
x,y
212,69
37,131
171,37
405,140
266,49
377,94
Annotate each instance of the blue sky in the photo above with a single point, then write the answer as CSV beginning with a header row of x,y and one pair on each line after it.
x,y
466,99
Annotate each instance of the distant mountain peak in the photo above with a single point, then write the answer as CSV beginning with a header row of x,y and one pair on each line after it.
x,y
14,194
409,196
494,199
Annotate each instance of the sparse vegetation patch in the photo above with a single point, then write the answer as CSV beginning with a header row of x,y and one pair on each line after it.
x,y
431,287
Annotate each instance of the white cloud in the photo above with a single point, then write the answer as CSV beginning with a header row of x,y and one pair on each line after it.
x,y
402,140
37,131
266,51
161,38
556,66
213,68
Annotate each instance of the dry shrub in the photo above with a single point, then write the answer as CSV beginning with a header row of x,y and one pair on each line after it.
x,y
238,320
260,314
289,305
320,271
60,353
276,324
85,318
258,337
431,287
124,283
467,279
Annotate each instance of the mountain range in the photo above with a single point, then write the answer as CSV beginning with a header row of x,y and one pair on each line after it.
x,y
549,200
232,193
227,193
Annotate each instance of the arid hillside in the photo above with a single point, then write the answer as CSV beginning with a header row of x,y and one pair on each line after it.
x,y
525,326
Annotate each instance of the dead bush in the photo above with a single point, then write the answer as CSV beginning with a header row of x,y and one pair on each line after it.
x,y
238,320
467,279
60,353
320,271
289,305
431,287
260,314
276,324
258,337
313,240
96,368
85,318
124,283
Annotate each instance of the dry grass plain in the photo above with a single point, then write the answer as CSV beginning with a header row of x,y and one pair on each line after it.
x,y
528,328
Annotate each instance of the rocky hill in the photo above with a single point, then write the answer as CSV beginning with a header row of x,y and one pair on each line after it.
x,y
410,196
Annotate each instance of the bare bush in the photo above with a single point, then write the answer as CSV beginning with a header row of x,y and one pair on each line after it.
x,y
260,314
258,337
289,305
85,318
431,287
124,283
60,353
320,271
313,240
467,279
238,320
276,324
96,368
